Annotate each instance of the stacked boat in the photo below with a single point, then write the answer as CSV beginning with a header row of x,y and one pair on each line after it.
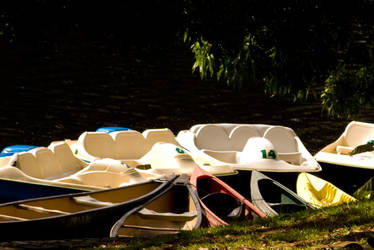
x,y
122,182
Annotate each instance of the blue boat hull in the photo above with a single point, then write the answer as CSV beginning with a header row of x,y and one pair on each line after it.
x,y
15,190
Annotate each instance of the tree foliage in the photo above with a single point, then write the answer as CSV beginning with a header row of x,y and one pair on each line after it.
x,y
298,49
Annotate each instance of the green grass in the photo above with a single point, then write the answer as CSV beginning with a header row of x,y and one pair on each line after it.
x,y
312,229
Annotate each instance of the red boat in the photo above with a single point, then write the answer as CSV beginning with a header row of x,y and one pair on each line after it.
x,y
220,202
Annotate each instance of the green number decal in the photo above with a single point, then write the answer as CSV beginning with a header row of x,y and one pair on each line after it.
x,y
263,153
179,150
271,154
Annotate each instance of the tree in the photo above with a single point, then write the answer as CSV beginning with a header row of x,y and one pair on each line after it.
x,y
298,49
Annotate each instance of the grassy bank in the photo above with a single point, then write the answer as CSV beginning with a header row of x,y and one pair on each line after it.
x,y
349,225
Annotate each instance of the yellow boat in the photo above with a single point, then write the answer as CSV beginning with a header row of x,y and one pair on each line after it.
x,y
320,193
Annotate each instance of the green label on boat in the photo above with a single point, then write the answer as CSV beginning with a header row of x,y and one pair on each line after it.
x,y
179,150
270,154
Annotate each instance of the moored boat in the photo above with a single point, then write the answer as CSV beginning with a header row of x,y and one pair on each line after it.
x,y
220,202
348,162
55,170
89,214
276,150
174,210
273,198
320,193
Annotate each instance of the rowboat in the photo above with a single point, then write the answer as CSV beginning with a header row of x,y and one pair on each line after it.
x,y
348,162
172,211
89,214
272,198
55,170
320,193
220,202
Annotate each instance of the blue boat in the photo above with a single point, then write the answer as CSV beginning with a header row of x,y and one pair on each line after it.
x,y
111,129
10,150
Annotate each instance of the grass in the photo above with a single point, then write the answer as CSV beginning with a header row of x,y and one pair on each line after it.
x,y
326,228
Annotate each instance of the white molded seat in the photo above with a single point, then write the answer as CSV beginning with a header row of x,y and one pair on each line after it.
x,y
159,135
68,162
129,144
212,137
43,163
358,133
240,135
285,143
96,144
282,138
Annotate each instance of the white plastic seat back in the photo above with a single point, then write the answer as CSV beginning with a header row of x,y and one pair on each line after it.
x,y
68,162
282,138
159,135
212,137
26,162
129,144
97,144
240,135
358,133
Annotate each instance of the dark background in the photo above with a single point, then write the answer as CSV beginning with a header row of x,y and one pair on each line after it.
x,y
74,66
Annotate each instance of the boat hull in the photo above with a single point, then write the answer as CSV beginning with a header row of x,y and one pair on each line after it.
x,y
16,190
68,216
174,210
346,178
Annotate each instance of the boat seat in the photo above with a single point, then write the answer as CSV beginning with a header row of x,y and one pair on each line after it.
x,y
90,201
212,137
96,145
225,156
42,209
39,163
239,136
129,144
68,162
159,135
285,143
151,214
355,134
344,149
103,179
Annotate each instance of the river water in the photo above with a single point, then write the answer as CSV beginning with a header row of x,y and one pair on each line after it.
x,y
57,91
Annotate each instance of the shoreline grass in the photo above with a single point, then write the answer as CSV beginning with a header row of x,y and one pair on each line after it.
x,y
326,228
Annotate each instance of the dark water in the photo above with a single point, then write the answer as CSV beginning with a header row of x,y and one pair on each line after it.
x,y
58,91
54,91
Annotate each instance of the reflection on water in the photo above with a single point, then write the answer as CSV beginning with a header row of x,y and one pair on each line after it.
x,y
57,92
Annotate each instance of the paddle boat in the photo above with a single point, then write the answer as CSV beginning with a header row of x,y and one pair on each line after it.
x,y
55,170
111,129
272,198
155,151
12,149
88,214
220,202
320,193
172,211
348,162
276,150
